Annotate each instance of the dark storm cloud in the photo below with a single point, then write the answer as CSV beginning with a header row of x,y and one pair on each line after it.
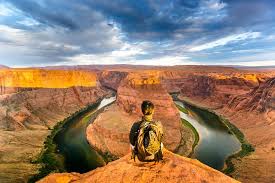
x,y
57,29
147,19
150,19
46,14
245,13
156,18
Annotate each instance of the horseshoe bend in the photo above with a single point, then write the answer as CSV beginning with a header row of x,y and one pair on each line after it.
x,y
62,120
137,91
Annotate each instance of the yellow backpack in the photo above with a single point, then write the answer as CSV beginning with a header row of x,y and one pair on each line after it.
x,y
149,141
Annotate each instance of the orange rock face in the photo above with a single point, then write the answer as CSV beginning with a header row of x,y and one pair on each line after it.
x,y
254,114
27,114
39,78
210,85
34,91
261,99
173,168
42,108
111,79
110,131
137,88
247,104
35,99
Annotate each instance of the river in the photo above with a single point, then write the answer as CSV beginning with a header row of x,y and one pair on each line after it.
x,y
216,142
72,143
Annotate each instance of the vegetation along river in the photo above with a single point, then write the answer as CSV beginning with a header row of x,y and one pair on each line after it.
x,y
215,143
73,145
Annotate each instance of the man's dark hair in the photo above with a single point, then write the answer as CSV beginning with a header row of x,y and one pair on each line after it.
x,y
147,107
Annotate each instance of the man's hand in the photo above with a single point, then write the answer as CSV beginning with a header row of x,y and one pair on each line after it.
x,y
133,150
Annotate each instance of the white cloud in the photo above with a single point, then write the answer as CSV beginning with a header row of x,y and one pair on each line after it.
x,y
270,37
107,59
128,50
28,22
251,63
17,36
51,45
6,10
248,51
215,4
229,39
167,61
258,63
86,59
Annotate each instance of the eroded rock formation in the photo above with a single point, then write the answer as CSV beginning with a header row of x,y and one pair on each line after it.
x,y
261,100
248,103
27,114
111,79
41,108
173,168
40,78
109,132
246,98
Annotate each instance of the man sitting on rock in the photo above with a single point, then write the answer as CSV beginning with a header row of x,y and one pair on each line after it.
x,y
146,136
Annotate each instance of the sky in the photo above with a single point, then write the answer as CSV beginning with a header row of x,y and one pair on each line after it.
x,y
142,32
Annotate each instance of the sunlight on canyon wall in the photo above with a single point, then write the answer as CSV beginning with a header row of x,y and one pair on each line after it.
x,y
39,78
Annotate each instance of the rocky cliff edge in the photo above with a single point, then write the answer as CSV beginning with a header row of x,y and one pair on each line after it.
x,y
173,168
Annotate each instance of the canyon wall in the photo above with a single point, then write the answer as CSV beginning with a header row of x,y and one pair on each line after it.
x,y
40,78
111,79
215,88
33,100
247,100
260,100
138,87
31,103
110,131
41,108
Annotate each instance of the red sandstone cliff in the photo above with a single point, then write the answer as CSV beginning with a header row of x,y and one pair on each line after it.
x,y
109,132
139,87
40,97
42,108
32,102
260,100
247,101
14,80
254,114
111,79
173,168
251,109
216,88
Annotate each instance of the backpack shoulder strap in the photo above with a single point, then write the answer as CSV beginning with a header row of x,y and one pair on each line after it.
x,y
159,126
134,132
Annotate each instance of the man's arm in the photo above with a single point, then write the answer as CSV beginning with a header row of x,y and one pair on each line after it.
x,y
159,124
134,133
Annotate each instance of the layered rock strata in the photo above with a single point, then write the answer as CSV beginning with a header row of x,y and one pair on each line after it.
x,y
253,113
27,114
109,132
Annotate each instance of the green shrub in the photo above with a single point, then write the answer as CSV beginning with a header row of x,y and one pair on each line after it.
x,y
182,109
195,132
